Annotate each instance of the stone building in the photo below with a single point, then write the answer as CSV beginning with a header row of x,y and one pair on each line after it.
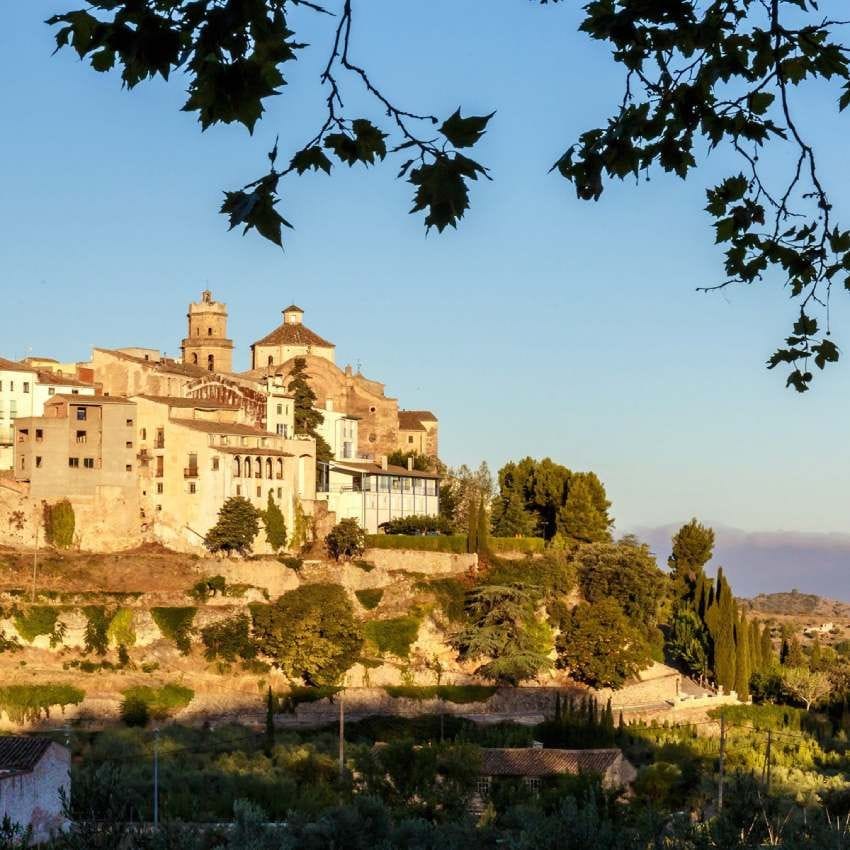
x,y
83,445
417,432
290,339
34,773
195,454
206,344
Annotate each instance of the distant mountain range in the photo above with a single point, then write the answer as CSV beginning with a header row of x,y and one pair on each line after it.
x,y
770,561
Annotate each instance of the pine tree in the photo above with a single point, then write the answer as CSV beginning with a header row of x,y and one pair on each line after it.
x,y
305,415
693,545
742,659
580,518
511,518
472,529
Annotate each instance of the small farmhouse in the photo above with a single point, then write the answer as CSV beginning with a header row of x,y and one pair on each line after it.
x,y
33,773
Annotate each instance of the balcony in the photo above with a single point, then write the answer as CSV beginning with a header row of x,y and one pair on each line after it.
x,y
190,472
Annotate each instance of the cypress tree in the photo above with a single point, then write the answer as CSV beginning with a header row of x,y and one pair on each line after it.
x,y
483,528
608,720
269,722
742,659
558,707
756,663
815,655
724,642
767,655
472,528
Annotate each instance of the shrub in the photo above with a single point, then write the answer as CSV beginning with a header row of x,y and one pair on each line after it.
x,y
39,620
237,526
208,587
366,566
453,543
460,694
291,562
309,633
156,703
175,625
97,625
26,703
275,525
417,525
370,597
521,545
10,644
121,631
229,639
59,524
450,594
395,635
298,694
346,540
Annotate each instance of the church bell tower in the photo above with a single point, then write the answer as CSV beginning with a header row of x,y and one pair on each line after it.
x,y
207,344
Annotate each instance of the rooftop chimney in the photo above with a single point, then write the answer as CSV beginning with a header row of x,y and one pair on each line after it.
x,y
383,461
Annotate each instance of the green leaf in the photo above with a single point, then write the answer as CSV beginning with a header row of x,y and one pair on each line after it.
x,y
759,102
313,157
465,132
256,209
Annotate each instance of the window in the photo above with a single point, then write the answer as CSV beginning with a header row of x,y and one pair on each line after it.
x,y
430,487
160,466
159,442
51,390
74,462
193,487
410,438
280,492
238,489
224,439
128,444
128,467
482,786
533,784
39,435
81,414
129,423
23,462
259,491
37,462
195,359
271,363
209,331
280,410
23,435
215,464
159,488
372,409
88,462
210,363
75,392
143,433
26,386
82,436
11,386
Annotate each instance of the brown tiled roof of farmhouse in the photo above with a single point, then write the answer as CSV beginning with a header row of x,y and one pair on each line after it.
x,y
535,761
190,403
409,421
421,415
18,752
290,334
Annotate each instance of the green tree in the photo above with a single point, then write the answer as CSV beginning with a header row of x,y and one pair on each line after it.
x,y
724,638
237,526
306,417
275,524
59,523
599,646
472,520
270,710
346,540
582,516
422,463
688,641
767,653
512,513
309,633
693,545
483,531
698,76
502,626
807,686
742,658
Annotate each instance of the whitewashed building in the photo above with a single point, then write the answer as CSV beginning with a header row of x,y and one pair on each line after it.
x,y
34,773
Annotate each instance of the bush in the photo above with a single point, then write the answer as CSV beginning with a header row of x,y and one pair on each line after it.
x,y
121,631
454,543
370,597
366,566
96,637
207,587
237,526
450,594
346,540
175,625
59,524
26,703
521,545
417,525
142,702
291,562
229,639
460,694
298,694
39,620
275,525
394,635
10,644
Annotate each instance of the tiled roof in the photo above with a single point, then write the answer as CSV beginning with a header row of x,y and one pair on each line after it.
x,y
409,421
289,334
536,761
13,366
242,450
20,753
293,308
190,403
89,399
222,427
165,364
421,415
377,469
45,377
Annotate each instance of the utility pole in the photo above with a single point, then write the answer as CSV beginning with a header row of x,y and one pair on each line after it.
x,y
767,758
342,732
722,757
156,778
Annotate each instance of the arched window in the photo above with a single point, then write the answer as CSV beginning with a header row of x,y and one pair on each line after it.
x,y
269,468
195,358
280,467
271,360
258,467
237,467
210,362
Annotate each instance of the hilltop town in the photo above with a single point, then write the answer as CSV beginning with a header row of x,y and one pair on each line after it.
x,y
147,448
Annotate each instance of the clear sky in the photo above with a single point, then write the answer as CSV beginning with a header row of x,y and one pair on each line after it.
x,y
544,326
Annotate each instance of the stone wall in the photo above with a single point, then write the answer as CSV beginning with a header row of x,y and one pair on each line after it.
x,y
429,563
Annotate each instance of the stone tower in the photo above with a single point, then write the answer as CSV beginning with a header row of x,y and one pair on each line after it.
x,y
207,344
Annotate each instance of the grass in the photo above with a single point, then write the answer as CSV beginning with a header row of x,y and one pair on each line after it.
x,y
26,703
395,635
460,694
452,543
370,597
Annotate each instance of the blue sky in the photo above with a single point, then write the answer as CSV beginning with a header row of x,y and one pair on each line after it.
x,y
544,326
